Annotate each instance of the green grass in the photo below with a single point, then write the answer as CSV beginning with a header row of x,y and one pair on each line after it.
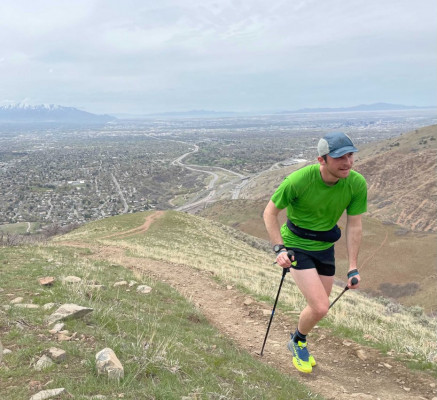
x,y
186,239
19,228
167,347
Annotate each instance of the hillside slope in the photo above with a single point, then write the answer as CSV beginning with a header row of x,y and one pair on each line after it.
x,y
401,176
165,347
363,347
227,274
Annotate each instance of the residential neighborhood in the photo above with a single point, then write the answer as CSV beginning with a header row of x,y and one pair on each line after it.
x,y
74,174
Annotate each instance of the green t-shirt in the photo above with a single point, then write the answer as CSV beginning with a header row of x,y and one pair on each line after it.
x,y
312,204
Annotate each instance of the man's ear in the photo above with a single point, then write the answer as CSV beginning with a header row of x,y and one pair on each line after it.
x,y
321,160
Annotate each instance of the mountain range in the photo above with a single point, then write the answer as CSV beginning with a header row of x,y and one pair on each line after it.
x,y
48,113
361,107
223,114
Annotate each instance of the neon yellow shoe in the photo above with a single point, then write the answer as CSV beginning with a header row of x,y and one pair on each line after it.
x,y
301,356
312,360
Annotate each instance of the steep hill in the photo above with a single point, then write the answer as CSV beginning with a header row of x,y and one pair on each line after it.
x,y
401,176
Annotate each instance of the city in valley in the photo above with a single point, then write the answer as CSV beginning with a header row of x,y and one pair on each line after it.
x,y
73,174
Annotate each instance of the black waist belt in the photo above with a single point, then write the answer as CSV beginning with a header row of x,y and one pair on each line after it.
x,y
322,236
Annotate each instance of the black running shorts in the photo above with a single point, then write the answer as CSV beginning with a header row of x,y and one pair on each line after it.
x,y
322,260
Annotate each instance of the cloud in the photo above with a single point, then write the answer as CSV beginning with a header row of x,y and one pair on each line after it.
x,y
103,55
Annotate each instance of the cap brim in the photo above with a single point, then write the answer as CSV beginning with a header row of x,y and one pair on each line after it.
x,y
342,151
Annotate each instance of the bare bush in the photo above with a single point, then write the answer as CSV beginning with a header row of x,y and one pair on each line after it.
x,y
15,239
57,229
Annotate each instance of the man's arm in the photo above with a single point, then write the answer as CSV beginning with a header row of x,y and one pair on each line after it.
x,y
271,222
353,241
273,227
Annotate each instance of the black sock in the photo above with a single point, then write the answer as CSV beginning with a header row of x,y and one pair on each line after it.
x,y
299,336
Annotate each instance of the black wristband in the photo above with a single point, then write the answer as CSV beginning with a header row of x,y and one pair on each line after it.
x,y
278,247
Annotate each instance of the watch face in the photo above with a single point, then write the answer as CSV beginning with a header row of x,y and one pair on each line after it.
x,y
278,247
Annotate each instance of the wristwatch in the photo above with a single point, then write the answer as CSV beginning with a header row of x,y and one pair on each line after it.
x,y
278,247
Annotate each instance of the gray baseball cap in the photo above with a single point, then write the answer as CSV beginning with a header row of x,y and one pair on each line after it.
x,y
335,145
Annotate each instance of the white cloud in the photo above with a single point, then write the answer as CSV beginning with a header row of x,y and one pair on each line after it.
x,y
105,54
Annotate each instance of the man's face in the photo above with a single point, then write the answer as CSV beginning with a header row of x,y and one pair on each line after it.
x,y
340,167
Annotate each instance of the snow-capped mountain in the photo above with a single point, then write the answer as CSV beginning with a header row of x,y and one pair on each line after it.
x,y
49,113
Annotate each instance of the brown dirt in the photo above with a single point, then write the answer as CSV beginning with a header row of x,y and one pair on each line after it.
x,y
141,229
339,374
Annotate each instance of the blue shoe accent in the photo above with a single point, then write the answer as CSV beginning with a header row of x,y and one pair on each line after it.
x,y
301,356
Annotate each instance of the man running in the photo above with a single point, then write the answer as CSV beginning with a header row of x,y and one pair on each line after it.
x,y
315,197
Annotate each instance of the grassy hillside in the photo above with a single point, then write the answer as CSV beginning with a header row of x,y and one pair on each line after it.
x,y
166,345
238,259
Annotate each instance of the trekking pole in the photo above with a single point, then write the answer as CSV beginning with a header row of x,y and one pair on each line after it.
x,y
290,254
354,281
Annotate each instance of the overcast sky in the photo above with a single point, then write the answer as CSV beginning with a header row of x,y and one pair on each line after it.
x,y
144,56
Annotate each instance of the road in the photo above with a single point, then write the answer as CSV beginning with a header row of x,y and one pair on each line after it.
x,y
120,193
214,191
211,192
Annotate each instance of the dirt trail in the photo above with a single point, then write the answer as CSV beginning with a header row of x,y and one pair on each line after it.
x,y
340,374
150,219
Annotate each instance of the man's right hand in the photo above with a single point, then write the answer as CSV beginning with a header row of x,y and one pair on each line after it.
x,y
285,258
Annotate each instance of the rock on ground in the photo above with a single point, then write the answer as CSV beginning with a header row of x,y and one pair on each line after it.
x,y
68,311
57,355
144,289
72,279
43,363
47,394
108,363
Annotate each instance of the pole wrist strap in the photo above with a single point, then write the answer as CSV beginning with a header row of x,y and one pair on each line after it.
x,y
352,273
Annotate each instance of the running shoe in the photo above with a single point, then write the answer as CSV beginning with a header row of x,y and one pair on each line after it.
x,y
311,358
302,359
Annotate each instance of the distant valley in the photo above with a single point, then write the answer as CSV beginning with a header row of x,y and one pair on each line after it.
x,y
68,174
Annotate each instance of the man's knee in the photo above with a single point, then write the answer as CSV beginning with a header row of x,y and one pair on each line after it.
x,y
319,311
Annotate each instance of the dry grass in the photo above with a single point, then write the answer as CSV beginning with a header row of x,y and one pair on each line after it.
x,y
389,255
185,239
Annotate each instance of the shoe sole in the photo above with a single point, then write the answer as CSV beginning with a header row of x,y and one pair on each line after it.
x,y
300,369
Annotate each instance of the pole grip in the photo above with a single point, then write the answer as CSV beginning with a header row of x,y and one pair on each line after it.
x,y
290,254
